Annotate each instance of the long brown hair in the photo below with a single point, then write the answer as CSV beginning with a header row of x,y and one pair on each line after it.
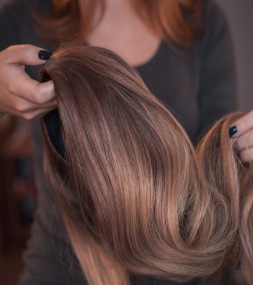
x,y
135,196
179,21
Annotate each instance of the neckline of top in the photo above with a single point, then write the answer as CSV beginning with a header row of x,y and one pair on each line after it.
x,y
151,59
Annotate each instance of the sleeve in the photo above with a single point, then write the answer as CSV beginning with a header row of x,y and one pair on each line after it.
x,y
218,91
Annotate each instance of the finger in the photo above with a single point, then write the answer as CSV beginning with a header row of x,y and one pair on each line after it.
x,y
244,141
25,54
31,90
20,106
37,114
32,112
246,155
35,107
43,92
242,125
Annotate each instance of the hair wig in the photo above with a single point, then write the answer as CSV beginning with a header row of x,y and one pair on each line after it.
x,y
136,197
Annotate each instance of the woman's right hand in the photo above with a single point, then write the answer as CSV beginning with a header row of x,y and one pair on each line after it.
x,y
20,95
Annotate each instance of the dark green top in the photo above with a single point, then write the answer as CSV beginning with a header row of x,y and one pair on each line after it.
x,y
196,83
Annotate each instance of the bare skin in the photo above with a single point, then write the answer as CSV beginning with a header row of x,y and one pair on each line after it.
x,y
125,33
244,137
20,95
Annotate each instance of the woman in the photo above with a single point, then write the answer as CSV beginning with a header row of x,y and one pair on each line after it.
x,y
184,57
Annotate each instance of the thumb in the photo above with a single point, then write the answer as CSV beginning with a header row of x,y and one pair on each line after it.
x,y
26,54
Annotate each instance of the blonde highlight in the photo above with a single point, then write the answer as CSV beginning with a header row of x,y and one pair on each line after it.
x,y
136,197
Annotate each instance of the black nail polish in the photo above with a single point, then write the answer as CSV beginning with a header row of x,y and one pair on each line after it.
x,y
44,54
232,131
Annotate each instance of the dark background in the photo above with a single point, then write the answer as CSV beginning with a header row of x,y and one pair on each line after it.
x,y
240,17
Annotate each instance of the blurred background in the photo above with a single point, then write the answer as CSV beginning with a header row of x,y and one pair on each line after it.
x,y
17,196
239,14
17,189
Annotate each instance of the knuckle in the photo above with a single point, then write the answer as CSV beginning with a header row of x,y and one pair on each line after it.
x,y
26,50
245,141
38,96
246,155
28,116
10,88
243,156
239,144
43,94
21,108
34,94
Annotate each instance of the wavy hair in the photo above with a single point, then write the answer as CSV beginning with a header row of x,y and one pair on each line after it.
x,y
135,196
180,21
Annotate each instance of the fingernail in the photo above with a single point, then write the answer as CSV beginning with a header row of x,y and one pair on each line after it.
x,y
232,131
44,54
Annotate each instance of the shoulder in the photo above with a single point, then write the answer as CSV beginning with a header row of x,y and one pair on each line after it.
x,y
217,32
212,10
214,18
